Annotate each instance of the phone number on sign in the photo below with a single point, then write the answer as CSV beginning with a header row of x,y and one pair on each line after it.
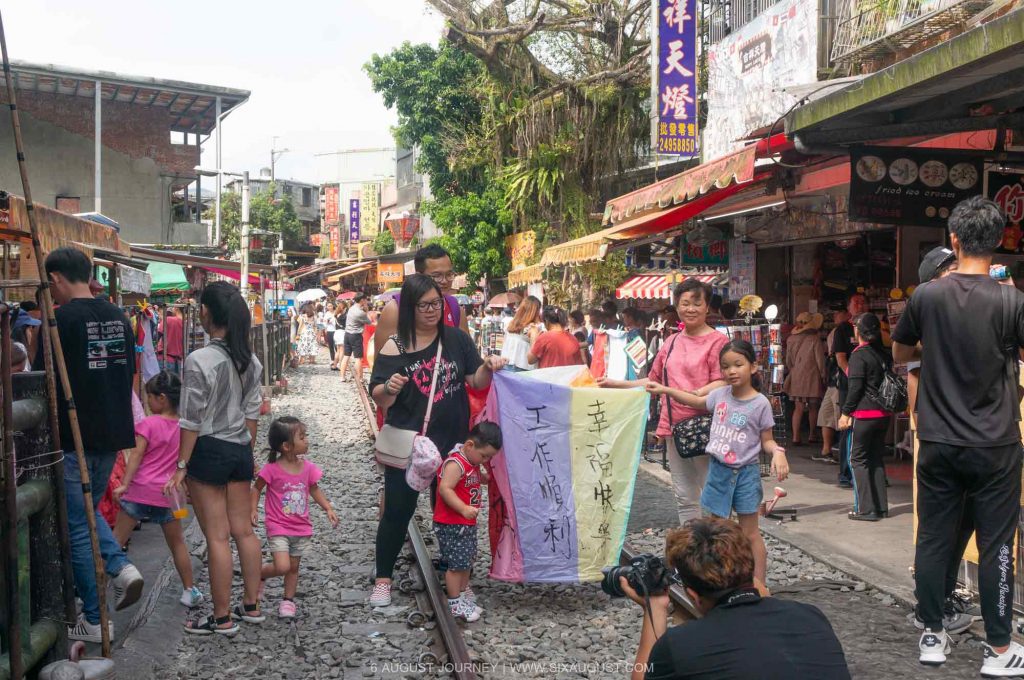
x,y
677,144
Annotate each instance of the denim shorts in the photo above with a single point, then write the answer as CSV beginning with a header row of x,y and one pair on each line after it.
x,y
295,546
140,512
457,543
727,489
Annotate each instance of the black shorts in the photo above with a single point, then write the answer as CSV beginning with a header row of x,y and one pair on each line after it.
x,y
217,462
354,345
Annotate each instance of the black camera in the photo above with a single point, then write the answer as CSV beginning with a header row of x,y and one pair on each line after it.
x,y
646,574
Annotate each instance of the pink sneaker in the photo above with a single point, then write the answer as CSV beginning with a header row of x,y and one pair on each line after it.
x,y
381,595
286,610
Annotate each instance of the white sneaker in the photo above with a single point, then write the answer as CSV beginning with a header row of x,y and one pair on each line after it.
x,y
934,647
465,610
1009,664
89,632
469,596
127,587
381,595
191,598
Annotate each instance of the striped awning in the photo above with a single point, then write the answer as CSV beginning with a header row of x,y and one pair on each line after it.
x,y
655,286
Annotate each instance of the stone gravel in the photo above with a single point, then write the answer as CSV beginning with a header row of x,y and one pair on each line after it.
x,y
527,631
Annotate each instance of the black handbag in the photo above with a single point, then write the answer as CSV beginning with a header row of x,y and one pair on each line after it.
x,y
691,436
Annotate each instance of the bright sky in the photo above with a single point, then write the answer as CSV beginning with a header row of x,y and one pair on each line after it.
x,y
302,61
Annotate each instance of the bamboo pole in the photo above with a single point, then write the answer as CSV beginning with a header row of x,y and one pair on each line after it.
x,y
58,353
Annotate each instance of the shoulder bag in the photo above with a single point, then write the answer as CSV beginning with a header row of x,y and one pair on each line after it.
x,y
691,436
394,445
891,394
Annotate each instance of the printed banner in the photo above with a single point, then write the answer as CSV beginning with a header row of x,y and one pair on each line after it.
x,y
748,69
562,486
918,186
332,206
354,220
677,78
370,210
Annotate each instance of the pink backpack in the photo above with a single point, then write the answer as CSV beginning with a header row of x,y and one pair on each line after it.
x,y
425,458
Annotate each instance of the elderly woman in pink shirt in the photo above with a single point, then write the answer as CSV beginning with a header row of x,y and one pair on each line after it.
x,y
689,361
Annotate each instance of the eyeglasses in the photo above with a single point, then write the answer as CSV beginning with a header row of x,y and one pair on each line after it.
x,y
432,305
441,277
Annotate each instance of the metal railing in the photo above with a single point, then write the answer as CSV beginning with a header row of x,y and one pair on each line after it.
x,y
873,29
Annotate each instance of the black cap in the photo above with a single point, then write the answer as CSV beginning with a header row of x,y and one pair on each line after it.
x,y
936,260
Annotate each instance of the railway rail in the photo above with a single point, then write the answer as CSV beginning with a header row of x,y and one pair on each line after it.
x,y
432,597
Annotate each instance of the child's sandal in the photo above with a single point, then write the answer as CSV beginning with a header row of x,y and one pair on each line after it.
x,y
250,613
209,625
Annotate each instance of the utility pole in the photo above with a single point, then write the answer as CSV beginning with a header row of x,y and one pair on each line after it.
x,y
244,278
275,153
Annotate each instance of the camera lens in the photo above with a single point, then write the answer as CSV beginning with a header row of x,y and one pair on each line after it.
x,y
610,583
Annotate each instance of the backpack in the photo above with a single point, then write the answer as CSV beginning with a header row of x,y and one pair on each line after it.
x,y
891,394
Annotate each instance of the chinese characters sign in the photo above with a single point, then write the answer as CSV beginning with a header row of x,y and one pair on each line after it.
x,y
563,484
520,247
353,220
390,274
676,103
697,255
331,206
370,209
1006,187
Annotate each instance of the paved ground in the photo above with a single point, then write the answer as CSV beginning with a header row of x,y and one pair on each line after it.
x,y
335,635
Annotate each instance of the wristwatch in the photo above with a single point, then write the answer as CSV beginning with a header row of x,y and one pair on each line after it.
x,y
182,464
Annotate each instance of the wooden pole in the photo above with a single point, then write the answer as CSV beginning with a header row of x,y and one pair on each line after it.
x,y
58,352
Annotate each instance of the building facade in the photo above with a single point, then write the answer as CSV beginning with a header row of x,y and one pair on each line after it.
x,y
304,196
151,133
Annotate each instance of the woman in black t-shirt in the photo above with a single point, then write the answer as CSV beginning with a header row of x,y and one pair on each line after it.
x,y
400,385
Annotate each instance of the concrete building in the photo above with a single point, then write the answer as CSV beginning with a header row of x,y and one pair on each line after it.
x,y
305,196
413,189
352,190
150,136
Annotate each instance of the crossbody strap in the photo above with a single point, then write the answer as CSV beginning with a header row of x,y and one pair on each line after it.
x,y
433,385
1010,347
664,377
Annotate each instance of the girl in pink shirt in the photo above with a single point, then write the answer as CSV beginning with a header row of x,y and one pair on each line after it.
x,y
290,481
150,464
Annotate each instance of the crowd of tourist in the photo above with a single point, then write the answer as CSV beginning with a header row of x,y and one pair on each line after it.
x,y
200,439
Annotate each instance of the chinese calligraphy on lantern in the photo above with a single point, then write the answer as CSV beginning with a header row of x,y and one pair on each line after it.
x,y
677,83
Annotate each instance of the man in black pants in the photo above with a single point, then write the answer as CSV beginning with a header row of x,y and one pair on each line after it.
x,y
968,413
843,344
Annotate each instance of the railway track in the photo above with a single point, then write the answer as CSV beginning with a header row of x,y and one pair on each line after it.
x,y
430,594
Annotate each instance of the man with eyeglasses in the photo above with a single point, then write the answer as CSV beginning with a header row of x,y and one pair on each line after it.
x,y
435,262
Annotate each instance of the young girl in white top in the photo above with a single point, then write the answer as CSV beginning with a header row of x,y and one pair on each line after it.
x,y
520,333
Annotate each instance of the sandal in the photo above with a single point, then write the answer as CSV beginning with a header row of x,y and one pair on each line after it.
x,y
210,625
250,613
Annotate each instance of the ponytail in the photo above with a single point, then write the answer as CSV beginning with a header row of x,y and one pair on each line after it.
x,y
228,311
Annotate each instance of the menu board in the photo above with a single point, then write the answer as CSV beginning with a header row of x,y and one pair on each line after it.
x,y
902,185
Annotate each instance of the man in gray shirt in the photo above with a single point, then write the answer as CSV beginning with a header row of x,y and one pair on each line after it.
x,y
355,322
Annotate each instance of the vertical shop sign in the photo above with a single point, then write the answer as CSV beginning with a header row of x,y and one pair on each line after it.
x,y
353,220
1006,187
331,207
676,101
370,209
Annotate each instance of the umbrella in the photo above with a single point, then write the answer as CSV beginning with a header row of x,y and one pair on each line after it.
x,y
347,295
463,299
387,295
504,299
310,295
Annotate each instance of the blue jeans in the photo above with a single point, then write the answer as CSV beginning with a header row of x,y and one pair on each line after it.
x,y
100,465
845,442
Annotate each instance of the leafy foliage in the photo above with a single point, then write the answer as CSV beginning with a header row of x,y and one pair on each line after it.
x,y
384,242
265,212
474,228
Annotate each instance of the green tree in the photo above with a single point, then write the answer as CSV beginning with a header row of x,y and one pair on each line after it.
x,y
384,242
265,212
474,227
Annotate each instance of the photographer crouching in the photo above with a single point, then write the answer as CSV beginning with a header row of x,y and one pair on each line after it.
x,y
741,636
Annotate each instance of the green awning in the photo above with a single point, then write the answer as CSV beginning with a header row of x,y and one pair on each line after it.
x,y
167,278
974,81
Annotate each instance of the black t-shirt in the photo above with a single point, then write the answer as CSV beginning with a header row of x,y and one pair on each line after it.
x,y
749,638
99,350
843,342
965,397
449,421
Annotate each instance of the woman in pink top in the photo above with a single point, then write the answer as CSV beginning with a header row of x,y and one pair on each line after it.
x,y
150,464
686,361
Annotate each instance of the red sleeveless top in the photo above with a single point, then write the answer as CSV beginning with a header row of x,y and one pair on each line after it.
x,y
467,489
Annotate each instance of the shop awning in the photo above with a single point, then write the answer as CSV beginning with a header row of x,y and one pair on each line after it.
x,y
967,83
670,202
338,274
167,278
524,276
655,286
154,255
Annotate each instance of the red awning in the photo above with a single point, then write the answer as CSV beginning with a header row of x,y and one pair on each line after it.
x,y
653,286
254,279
